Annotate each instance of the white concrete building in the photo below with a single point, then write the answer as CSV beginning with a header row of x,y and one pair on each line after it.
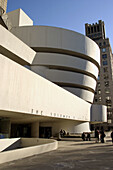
x,y
31,102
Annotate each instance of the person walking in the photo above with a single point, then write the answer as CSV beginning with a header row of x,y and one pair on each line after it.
x,y
97,135
88,137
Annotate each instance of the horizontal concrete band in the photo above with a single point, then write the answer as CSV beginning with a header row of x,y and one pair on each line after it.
x,y
62,84
65,52
74,70
82,93
66,62
71,78
42,38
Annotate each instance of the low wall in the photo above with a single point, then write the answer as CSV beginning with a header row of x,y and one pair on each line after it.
x,y
27,142
108,134
8,144
29,151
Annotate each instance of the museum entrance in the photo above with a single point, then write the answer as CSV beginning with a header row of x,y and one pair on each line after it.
x,y
45,132
4,127
20,130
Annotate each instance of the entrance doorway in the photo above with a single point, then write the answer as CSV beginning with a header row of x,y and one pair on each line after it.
x,y
20,130
45,132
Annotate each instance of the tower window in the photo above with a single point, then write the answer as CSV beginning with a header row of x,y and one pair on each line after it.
x,y
96,100
108,98
103,50
99,91
106,76
106,83
104,43
107,91
100,44
108,101
98,84
108,105
105,69
99,99
104,56
105,63
109,113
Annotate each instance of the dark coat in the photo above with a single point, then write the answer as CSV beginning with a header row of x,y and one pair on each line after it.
x,y
111,134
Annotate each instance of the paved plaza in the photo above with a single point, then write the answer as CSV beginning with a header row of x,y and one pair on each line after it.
x,y
71,154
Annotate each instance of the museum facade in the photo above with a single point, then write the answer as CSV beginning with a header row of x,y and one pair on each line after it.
x,y
48,78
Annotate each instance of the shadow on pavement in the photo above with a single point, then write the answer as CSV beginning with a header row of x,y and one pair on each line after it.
x,y
84,143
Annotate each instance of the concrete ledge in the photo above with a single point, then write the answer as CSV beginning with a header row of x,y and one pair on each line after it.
x,y
14,48
29,151
8,144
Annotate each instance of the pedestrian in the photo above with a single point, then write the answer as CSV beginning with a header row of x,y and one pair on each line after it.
x,y
61,133
64,133
48,133
97,135
83,136
88,137
102,136
112,136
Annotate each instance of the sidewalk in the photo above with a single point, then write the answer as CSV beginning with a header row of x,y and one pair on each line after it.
x,y
71,154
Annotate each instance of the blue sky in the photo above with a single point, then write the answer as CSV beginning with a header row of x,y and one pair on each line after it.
x,y
69,14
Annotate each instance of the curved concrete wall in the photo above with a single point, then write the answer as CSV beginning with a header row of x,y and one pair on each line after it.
x,y
82,93
68,126
65,62
40,146
71,81
70,78
98,113
58,38
64,57
83,127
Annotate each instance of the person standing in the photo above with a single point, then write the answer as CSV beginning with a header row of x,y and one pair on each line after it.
x,y
97,135
112,136
102,136
88,137
83,136
61,133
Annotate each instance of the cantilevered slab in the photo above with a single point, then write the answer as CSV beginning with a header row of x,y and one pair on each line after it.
x,y
14,48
